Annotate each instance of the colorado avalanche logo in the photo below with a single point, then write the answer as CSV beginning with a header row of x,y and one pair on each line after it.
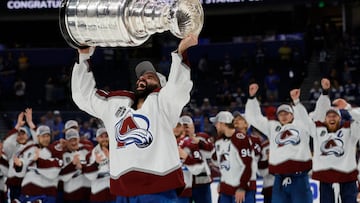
x,y
332,147
240,136
129,131
289,136
224,161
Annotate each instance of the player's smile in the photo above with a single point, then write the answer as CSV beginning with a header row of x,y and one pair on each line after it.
x,y
332,122
141,85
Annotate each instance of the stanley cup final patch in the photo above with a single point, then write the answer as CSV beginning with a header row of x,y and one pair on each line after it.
x,y
121,111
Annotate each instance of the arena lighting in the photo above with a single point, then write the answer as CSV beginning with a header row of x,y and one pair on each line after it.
x,y
321,4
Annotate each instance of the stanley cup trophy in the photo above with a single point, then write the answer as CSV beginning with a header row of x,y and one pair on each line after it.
x,y
112,23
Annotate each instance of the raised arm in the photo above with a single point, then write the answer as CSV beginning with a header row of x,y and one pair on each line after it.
x,y
342,104
300,112
187,42
83,87
176,93
323,103
253,112
29,118
20,120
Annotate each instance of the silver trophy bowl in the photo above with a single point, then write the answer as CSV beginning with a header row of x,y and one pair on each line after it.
x,y
113,23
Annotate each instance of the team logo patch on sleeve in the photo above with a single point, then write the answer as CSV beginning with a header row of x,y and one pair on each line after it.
x,y
240,136
121,111
67,160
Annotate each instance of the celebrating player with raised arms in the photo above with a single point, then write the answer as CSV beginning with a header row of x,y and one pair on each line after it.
x,y
144,158
290,155
335,143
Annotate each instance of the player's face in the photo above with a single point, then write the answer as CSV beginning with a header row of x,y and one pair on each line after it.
x,y
189,129
178,130
219,128
146,83
73,144
332,121
21,137
285,117
240,124
103,140
44,140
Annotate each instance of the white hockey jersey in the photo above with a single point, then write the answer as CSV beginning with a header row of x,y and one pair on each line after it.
x,y
144,157
41,176
334,158
76,185
235,158
289,144
99,175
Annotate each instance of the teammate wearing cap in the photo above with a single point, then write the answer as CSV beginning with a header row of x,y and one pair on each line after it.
x,y
199,147
75,158
15,145
290,156
335,143
260,161
194,167
242,126
234,154
98,171
59,147
42,170
144,159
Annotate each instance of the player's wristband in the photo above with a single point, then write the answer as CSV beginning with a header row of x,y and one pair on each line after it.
x,y
296,101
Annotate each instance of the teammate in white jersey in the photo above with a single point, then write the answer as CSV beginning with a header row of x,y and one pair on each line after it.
x,y
144,158
42,170
97,170
75,159
290,155
234,154
15,144
199,145
335,143
242,126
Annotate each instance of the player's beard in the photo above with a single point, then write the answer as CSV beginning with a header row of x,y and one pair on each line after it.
x,y
334,127
142,94
104,144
